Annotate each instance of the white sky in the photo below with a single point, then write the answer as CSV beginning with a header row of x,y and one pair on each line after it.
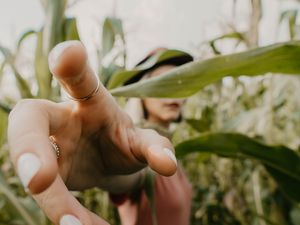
x,y
182,24
148,23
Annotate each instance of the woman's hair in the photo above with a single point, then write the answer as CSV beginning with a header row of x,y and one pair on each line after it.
x,y
175,61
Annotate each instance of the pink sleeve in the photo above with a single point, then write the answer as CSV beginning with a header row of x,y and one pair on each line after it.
x,y
173,197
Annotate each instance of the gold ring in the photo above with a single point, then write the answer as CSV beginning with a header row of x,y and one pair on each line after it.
x,y
55,146
92,94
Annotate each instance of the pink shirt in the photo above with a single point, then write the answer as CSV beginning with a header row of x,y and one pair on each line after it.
x,y
173,197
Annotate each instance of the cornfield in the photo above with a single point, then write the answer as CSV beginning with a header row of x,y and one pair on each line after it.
x,y
239,141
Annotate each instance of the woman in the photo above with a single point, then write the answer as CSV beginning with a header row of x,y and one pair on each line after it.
x,y
173,194
86,142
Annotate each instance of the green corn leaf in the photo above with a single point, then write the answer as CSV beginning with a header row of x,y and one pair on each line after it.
x,y
7,59
20,209
23,86
107,72
52,30
24,36
8,56
200,125
3,125
188,79
70,30
5,108
287,184
234,35
111,28
2,66
291,16
282,163
42,73
51,34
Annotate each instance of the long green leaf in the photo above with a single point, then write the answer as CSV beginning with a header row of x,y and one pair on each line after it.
x,y
70,30
7,59
289,185
291,16
52,30
5,108
3,126
111,28
24,36
6,53
107,72
282,163
6,190
188,79
234,35
51,34
23,86
2,66
42,73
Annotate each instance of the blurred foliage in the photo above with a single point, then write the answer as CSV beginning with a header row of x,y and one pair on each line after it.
x,y
264,108
16,207
261,112
282,163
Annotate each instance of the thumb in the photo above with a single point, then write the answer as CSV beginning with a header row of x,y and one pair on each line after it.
x,y
155,150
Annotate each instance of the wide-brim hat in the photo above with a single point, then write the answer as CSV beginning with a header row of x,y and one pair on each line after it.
x,y
156,58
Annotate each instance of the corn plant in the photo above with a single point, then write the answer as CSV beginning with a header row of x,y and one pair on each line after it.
x,y
281,163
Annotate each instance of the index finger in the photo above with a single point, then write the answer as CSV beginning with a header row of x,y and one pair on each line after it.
x,y
68,62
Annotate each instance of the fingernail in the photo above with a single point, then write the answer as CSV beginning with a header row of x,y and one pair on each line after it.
x,y
69,220
58,50
28,165
170,154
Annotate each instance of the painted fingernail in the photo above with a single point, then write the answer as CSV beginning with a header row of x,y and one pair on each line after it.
x,y
69,220
58,50
28,165
170,154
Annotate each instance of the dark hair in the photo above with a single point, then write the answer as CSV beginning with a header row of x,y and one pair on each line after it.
x,y
175,61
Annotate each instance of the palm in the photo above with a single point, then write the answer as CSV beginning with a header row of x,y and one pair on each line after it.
x,y
95,149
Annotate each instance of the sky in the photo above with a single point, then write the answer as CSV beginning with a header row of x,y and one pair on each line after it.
x,y
148,24
181,24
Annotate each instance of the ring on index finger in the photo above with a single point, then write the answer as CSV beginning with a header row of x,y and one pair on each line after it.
x,y
85,98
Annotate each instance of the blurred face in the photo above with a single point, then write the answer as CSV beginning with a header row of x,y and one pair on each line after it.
x,y
162,111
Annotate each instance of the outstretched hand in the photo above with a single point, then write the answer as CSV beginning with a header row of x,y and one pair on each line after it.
x,y
98,144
